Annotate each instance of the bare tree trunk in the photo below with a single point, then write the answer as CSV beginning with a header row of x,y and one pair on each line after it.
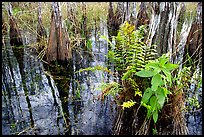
x,y
114,21
164,34
4,33
57,49
16,40
142,17
119,18
133,15
194,41
127,11
111,21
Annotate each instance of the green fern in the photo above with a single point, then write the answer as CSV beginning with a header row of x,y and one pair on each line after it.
x,y
107,89
95,68
128,104
130,49
135,87
130,55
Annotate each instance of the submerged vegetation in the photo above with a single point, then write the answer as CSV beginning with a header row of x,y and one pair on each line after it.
x,y
153,55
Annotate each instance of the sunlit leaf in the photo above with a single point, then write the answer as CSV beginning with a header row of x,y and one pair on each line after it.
x,y
153,102
145,73
170,66
166,92
161,97
168,75
139,93
156,81
155,116
128,104
152,65
127,74
163,59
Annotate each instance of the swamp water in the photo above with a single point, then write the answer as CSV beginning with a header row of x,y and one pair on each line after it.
x,y
88,115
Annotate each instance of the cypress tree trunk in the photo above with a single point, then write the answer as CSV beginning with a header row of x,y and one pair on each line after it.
x,y
58,48
142,17
194,41
163,33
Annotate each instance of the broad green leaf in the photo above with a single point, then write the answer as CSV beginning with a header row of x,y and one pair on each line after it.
x,y
153,102
145,73
161,97
157,70
155,116
152,65
168,75
156,81
170,66
149,112
145,105
158,106
147,94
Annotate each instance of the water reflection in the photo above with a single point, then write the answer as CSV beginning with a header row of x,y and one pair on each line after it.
x,y
43,112
90,115
43,107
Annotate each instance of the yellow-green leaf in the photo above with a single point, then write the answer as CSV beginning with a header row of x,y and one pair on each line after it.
x,y
156,81
139,93
170,66
128,104
155,116
145,73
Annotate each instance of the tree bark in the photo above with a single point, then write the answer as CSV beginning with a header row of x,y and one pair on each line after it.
x,y
142,17
194,41
58,48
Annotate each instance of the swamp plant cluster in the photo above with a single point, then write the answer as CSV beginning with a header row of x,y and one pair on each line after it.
x,y
152,84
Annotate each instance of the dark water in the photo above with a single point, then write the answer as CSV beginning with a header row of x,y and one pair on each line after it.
x,y
88,115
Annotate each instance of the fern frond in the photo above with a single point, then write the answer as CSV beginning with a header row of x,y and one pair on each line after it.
x,y
94,68
109,89
128,73
128,104
135,87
